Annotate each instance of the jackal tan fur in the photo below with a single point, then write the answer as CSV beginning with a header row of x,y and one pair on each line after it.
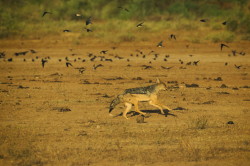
x,y
132,97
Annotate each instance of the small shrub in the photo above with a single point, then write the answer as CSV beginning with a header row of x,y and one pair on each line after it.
x,y
200,122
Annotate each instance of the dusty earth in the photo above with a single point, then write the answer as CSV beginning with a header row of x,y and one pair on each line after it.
x,y
58,115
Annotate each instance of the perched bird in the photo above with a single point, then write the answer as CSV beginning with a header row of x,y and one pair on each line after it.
x,y
160,44
68,64
226,64
172,36
223,45
139,25
44,13
96,66
88,21
43,62
224,23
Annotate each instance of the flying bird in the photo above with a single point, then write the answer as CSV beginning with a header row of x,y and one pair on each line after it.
x,y
88,21
139,25
167,67
66,30
88,30
68,64
160,44
44,13
238,67
103,51
234,52
223,45
147,67
224,23
172,36
242,53
196,62
43,62
33,51
96,66
181,61
78,15
80,69
21,53
203,20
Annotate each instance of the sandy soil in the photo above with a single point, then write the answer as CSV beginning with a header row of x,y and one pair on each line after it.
x,y
57,115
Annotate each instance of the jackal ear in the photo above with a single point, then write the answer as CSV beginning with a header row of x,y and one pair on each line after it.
x,y
158,80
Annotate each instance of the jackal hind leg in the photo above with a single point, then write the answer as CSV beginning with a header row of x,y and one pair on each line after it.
x,y
128,108
137,109
157,106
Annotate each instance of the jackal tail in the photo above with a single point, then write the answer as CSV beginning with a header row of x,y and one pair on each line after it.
x,y
115,102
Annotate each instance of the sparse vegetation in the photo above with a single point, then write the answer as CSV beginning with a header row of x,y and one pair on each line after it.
x,y
200,122
108,18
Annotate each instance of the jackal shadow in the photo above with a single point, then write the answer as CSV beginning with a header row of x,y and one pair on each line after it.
x,y
149,113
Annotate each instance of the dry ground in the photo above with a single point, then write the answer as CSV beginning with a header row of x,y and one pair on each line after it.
x,y
33,131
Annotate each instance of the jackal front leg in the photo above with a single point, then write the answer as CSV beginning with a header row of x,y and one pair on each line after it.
x,y
157,106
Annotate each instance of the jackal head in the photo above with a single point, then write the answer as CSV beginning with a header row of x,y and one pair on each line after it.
x,y
160,85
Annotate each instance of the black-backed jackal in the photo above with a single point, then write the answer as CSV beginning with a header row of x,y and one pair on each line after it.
x,y
133,96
